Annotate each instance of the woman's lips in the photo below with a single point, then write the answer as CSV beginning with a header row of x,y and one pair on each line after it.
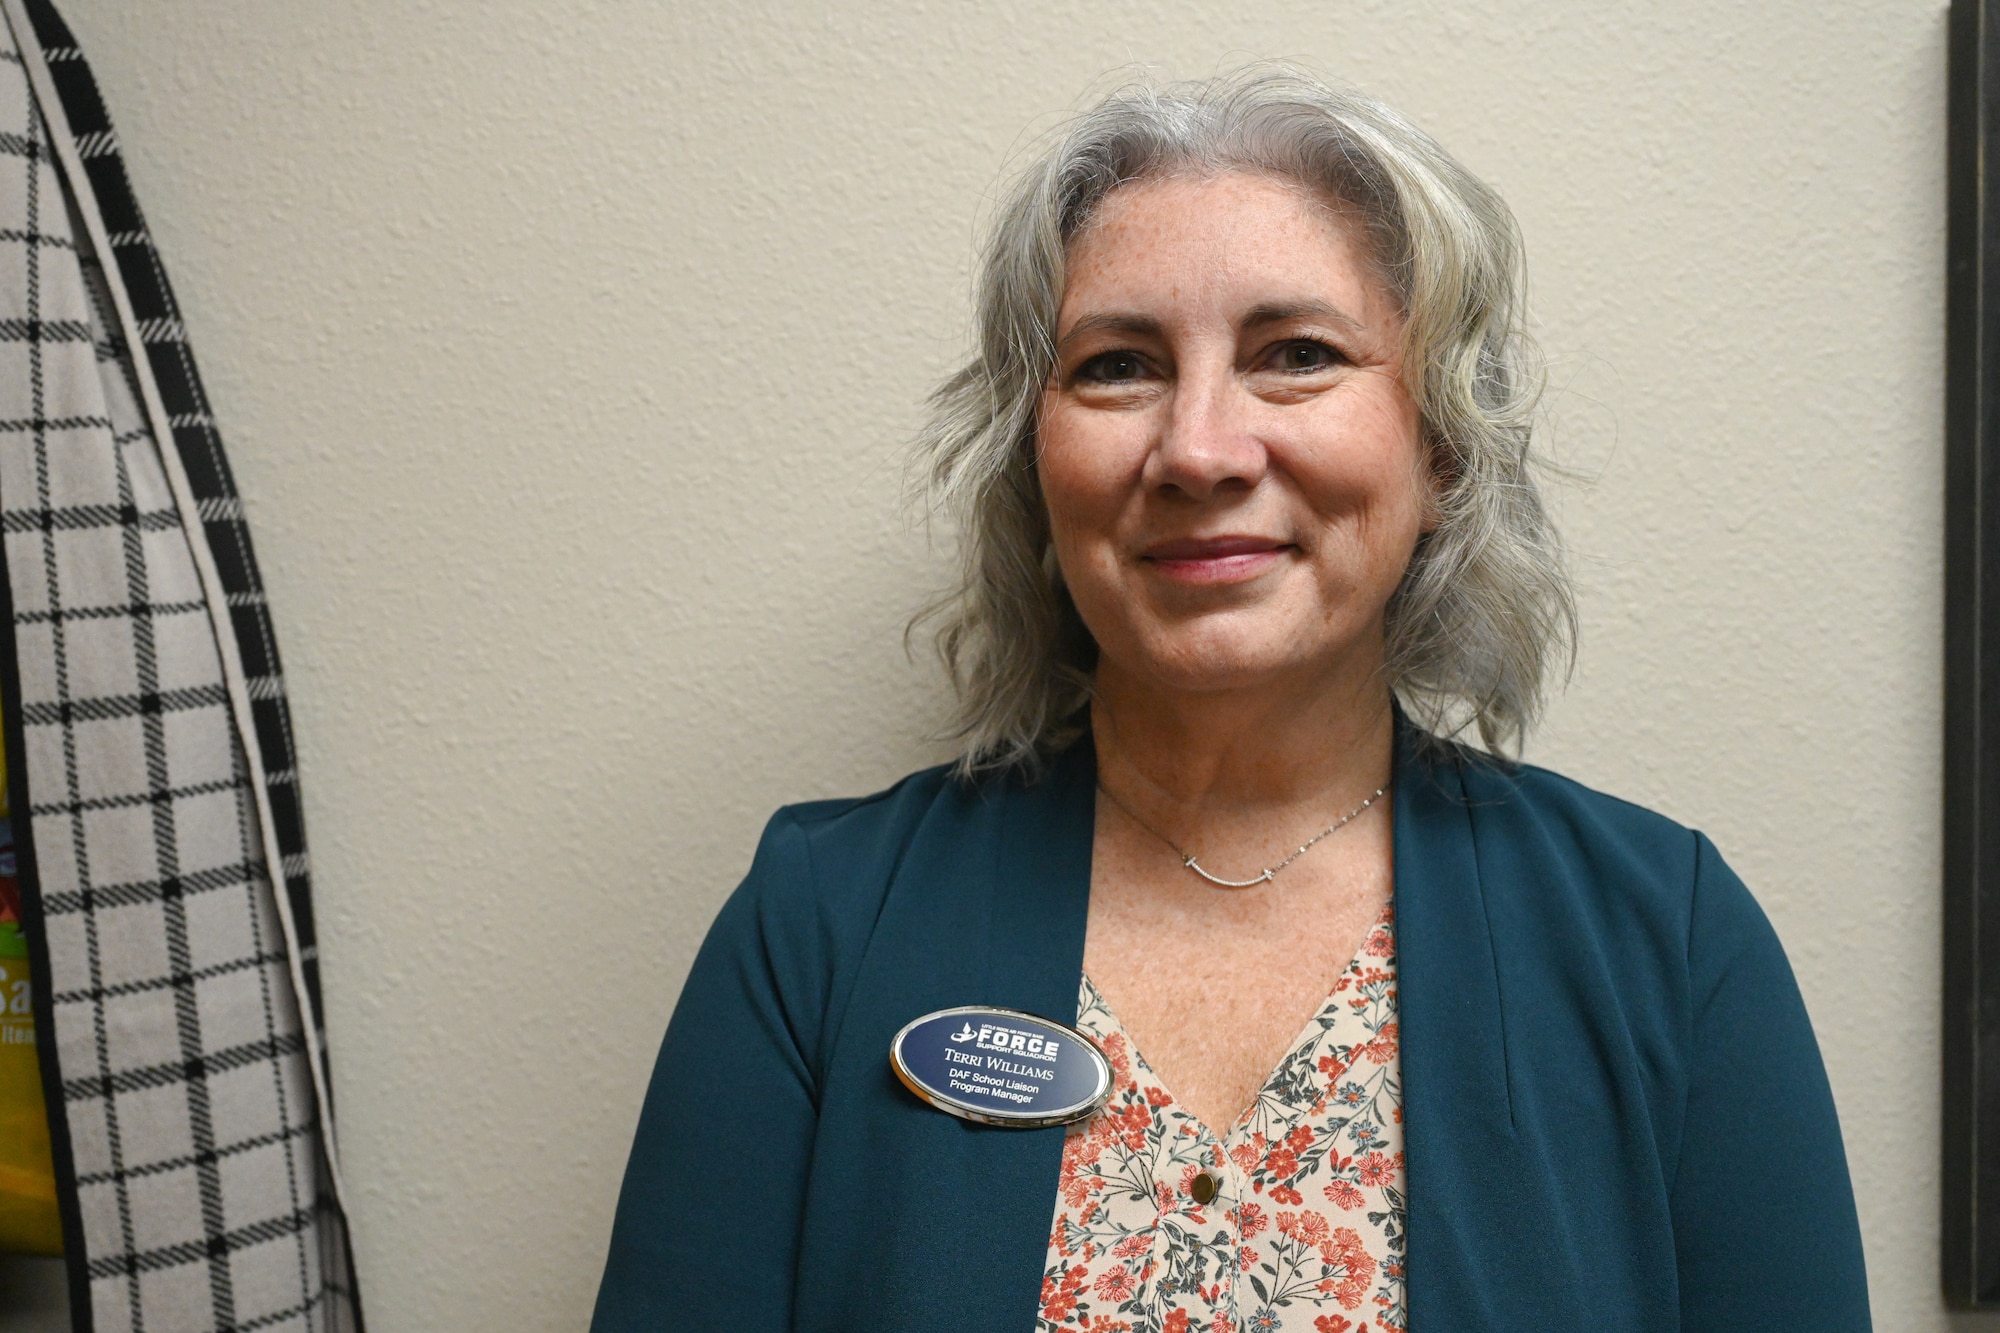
x,y
1214,559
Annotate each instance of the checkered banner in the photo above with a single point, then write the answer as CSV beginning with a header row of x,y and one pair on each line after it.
x,y
155,789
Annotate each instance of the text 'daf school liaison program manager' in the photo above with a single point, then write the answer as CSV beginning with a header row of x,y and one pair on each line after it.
x,y
1220,987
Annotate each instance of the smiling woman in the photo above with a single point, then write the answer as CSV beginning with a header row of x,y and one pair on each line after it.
x,y
1236,480
1355,1025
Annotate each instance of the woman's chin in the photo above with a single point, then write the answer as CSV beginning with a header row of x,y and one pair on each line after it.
x,y
1232,666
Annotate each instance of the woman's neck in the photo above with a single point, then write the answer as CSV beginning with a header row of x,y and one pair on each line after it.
x,y
1215,761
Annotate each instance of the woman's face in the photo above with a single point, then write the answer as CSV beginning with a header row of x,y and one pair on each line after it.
x,y
1234,472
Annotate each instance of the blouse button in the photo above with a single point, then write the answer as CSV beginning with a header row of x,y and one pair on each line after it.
x,y
1205,1188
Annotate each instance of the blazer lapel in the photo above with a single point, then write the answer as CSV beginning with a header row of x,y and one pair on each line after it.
x,y
1041,889
1458,1125
918,1219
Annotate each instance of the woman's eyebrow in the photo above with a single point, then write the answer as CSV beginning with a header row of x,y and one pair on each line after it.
x,y
1286,312
1112,322
1145,326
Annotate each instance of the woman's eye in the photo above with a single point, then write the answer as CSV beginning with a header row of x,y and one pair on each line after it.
x,y
1111,368
1306,355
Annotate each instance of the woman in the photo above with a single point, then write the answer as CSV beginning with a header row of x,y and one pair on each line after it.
x,y
1250,528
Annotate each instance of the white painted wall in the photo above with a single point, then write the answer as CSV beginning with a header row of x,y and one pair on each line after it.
x,y
566,352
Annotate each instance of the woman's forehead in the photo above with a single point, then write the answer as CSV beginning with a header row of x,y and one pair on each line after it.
x,y
1232,242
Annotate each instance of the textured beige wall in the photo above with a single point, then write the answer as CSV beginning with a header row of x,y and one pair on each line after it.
x,y
565,353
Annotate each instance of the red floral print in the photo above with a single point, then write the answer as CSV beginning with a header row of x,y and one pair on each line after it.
x,y
1344,1194
1132,1250
1376,1169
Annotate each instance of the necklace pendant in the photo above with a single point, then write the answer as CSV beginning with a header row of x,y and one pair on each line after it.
x,y
1188,861
1222,883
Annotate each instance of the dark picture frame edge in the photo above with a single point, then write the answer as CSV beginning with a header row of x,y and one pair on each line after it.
x,y
1970,1224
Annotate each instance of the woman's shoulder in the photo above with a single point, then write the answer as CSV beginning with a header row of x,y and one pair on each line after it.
x,y
835,859
1549,834
1594,886
846,836
1559,805
816,885
896,803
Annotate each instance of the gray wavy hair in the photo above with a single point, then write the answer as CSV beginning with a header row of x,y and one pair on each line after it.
x,y
1485,610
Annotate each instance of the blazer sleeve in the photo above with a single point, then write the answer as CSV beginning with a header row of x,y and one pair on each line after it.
x,y
1765,1234
706,1233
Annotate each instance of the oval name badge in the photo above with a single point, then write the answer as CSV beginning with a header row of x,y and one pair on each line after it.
x,y
1001,1067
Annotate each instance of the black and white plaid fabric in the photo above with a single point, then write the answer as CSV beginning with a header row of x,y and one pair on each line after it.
x,y
155,784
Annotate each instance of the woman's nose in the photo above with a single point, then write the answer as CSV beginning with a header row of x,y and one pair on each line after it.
x,y
1206,442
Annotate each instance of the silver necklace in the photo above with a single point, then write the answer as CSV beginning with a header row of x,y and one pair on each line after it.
x,y
1188,858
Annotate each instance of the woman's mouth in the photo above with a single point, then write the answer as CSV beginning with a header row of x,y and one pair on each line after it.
x,y
1209,560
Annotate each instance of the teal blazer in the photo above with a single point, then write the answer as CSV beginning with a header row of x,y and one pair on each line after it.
x,y
1615,1113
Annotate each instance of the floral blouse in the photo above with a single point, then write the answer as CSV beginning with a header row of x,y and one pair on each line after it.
x,y
1293,1221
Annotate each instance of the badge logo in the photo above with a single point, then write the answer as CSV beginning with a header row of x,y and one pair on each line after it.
x,y
1001,1067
